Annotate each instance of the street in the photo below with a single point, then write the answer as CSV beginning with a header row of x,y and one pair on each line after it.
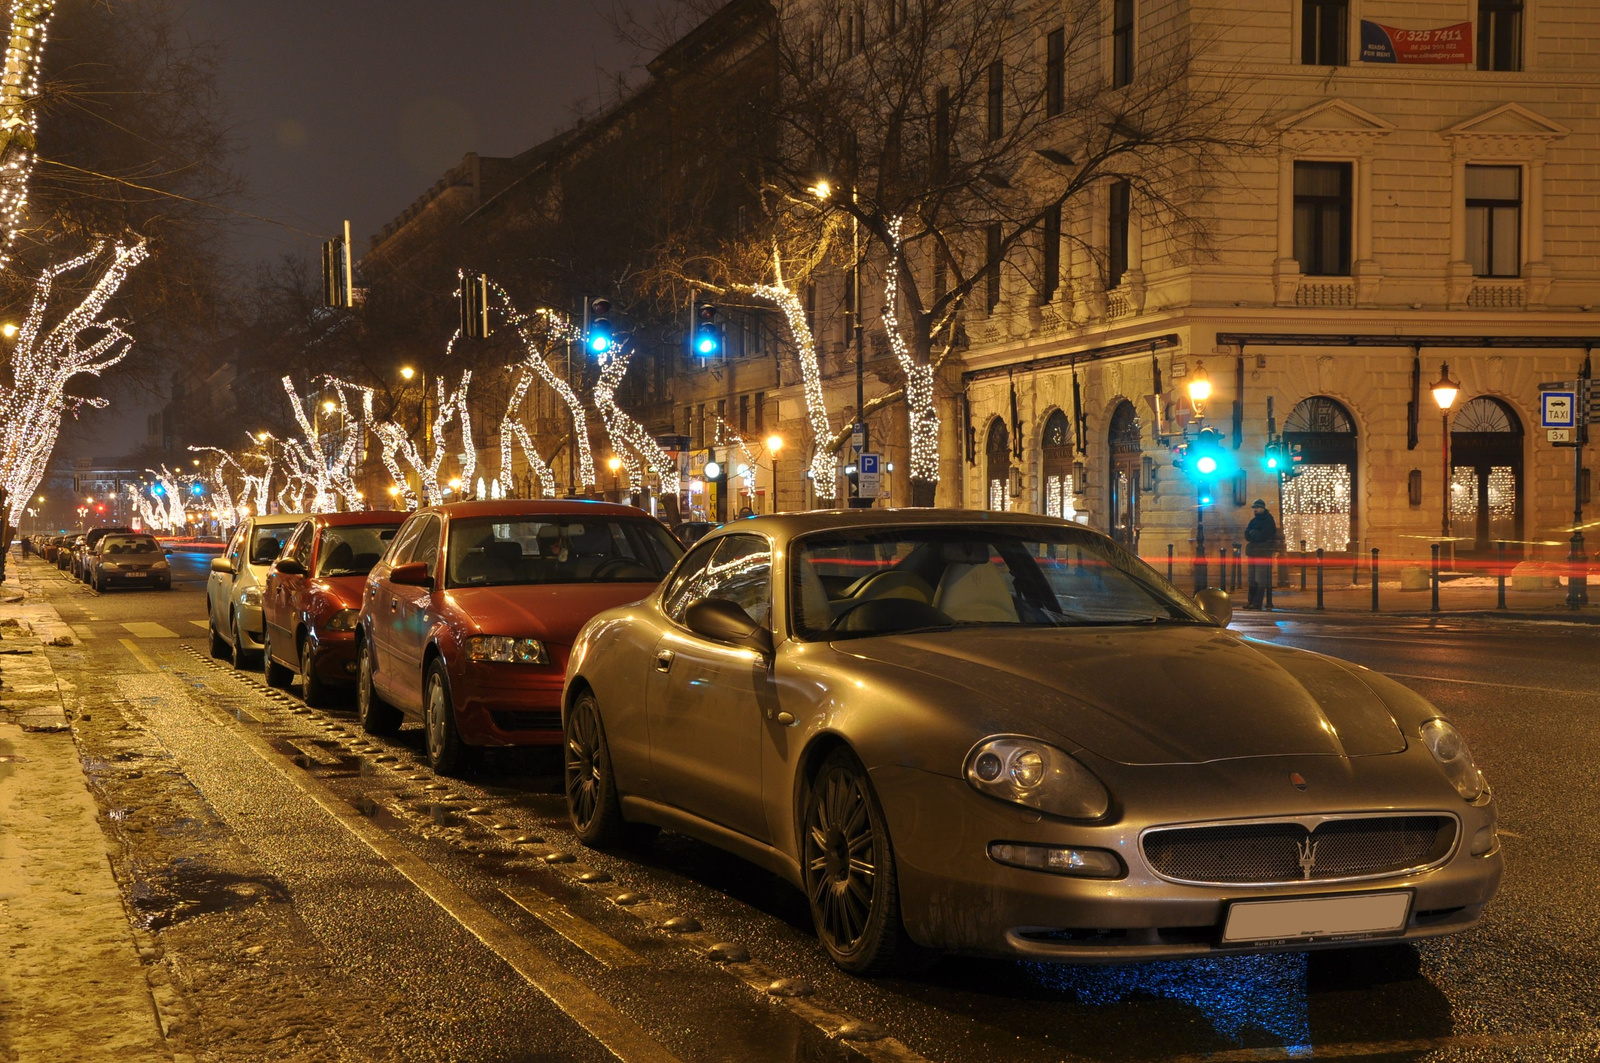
x,y
316,894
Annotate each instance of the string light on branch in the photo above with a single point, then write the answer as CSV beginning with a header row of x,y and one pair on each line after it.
x,y
919,378
513,430
554,328
821,466
19,123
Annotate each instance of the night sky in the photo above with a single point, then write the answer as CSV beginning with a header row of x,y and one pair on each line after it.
x,y
352,108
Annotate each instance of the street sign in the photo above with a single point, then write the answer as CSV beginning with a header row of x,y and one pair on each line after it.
x,y
858,436
1559,435
869,475
1558,409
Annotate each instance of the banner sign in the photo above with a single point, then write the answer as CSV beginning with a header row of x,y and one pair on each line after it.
x,y
1386,44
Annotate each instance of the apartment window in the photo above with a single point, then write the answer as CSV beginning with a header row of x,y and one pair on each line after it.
x,y
1325,32
1051,279
991,272
722,417
1500,34
1121,43
761,412
1494,220
896,15
1055,73
744,414
1121,203
997,99
1322,218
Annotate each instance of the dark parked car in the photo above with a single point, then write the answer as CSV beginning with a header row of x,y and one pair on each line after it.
x,y
64,552
130,560
1009,736
312,599
91,538
692,531
467,620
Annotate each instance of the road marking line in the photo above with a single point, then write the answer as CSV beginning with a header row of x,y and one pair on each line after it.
x,y
201,624
1485,683
148,630
617,1033
82,631
139,655
582,933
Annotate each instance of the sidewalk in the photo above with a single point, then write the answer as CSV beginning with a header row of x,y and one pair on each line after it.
x,y
1473,595
71,982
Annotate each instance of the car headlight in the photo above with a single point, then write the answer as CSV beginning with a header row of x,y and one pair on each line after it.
x,y
111,566
1455,759
1025,771
344,620
251,597
506,650
160,565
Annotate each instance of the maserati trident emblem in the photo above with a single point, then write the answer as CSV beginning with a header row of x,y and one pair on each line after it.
x,y
1297,780
1308,857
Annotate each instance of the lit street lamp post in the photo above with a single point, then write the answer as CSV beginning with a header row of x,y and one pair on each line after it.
x,y
774,444
1444,393
1199,391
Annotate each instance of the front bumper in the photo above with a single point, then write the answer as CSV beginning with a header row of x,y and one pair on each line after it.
x,y
509,704
149,578
333,655
252,631
953,896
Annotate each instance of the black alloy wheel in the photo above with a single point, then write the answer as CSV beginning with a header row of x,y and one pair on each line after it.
x,y
447,753
592,801
276,675
375,716
848,864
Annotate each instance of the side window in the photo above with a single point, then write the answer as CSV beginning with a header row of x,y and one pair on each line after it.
x,y
740,571
236,547
299,548
686,579
403,541
427,546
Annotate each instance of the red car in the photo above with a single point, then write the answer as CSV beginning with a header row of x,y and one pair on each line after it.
x,y
468,619
312,599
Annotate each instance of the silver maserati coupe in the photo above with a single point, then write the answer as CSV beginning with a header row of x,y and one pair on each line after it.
x,y
1004,734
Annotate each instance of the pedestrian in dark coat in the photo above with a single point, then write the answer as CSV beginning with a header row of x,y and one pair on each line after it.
x,y
1261,539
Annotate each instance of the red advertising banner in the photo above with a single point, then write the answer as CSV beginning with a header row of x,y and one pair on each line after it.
x,y
1389,44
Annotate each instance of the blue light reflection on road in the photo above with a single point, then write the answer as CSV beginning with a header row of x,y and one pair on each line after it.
x,y
1247,999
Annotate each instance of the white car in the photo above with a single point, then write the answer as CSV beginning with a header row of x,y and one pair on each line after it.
x,y
233,590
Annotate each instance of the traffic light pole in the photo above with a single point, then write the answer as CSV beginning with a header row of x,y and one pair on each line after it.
x,y
1200,547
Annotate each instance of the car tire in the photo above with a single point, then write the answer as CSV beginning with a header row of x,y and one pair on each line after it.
x,y
593,804
846,855
313,691
276,675
100,584
219,645
447,753
375,716
238,655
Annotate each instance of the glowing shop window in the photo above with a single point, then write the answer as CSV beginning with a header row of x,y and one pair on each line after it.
x,y
1058,498
1316,508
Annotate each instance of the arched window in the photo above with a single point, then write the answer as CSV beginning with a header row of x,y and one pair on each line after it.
x,y
1055,467
1485,473
1319,505
1124,479
998,461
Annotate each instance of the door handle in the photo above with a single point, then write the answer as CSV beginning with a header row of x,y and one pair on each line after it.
x,y
664,660
393,605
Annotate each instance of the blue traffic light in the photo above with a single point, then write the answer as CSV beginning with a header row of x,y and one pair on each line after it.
x,y
1206,465
599,342
707,333
706,344
156,490
197,489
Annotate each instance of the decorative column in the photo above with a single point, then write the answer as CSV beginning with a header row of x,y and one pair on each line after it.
x,y
1535,269
1365,270
1285,270
1458,277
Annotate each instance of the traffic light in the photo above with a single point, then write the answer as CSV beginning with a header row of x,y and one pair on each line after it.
x,y
1207,460
337,272
599,337
474,299
707,333
1273,460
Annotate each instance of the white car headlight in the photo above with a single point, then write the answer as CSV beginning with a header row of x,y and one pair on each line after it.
x,y
344,620
1455,759
506,650
1025,771
111,566
159,565
250,597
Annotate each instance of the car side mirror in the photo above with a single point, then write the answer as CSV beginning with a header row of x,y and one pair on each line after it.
x,y
723,621
411,574
288,566
223,565
167,553
1216,604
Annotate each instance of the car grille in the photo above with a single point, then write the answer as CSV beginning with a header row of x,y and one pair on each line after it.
x,y
1287,851
526,721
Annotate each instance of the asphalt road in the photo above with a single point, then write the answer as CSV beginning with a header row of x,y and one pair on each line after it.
x,y
396,915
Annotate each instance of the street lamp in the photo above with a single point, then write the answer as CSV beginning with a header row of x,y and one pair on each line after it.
x,y
406,372
1199,389
614,463
8,330
1444,393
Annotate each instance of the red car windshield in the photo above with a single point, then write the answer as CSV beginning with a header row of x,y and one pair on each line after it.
x,y
501,551
352,551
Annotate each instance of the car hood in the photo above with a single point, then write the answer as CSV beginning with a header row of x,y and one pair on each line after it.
x,y
1166,695
551,613
344,591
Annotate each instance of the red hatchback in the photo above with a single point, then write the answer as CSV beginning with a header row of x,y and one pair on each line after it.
x,y
312,599
468,619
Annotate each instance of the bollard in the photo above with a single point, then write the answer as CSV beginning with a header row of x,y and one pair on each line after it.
x,y
1267,602
1238,576
1302,564
1375,578
1500,579
1436,577
1319,579
1222,566
1169,562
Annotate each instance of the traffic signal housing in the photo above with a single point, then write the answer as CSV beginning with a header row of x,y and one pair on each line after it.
x,y
474,306
707,332
600,337
1206,460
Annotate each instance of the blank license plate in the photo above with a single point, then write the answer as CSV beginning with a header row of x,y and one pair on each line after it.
x,y
1357,915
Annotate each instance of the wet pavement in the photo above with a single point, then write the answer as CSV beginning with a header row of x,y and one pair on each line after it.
x,y
316,893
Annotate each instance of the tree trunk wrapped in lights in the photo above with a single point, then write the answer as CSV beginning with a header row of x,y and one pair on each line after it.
x,y
628,438
44,361
330,473
823,478
396,442
557,329
19,126
513,430
924,416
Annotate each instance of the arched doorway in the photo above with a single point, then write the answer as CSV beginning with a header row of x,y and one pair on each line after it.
x,y
997,453
1485,474
1319,505
1124,478
1055,467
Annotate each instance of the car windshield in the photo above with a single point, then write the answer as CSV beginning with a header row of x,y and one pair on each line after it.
x,y
876,581
352,551
129,544
497,551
